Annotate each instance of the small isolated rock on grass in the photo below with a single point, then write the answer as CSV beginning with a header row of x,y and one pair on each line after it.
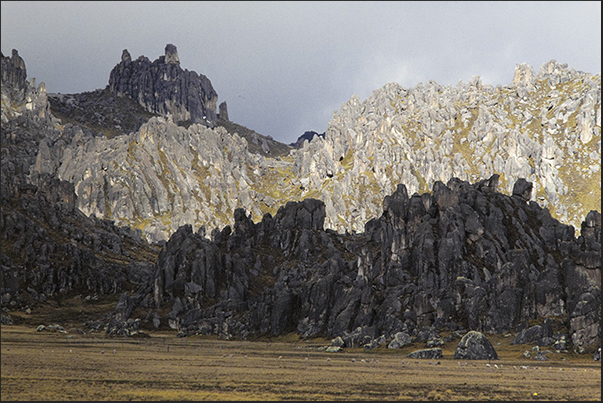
x,y
475,346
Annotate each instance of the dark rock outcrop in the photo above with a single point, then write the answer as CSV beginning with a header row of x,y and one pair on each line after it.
x,y
49,247
462,258
163,87
475,346
541,335
223,111
101,112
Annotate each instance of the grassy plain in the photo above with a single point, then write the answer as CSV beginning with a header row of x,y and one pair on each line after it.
x,y
55,366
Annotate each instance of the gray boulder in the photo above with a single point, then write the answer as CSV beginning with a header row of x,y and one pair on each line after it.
x,y
337,342
401,339
539,334
541,355
561,343
475,346
428,353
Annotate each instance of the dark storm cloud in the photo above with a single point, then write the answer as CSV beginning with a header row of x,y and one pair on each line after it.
x,y
285,67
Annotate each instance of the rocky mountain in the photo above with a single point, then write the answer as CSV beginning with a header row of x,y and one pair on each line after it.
x,y
49,248
545,128
463,257
420,210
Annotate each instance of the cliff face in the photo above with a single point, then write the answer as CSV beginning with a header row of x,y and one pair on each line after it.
x,y
463,257
163,87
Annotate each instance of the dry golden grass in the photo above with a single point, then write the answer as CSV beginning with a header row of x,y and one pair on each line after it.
x,y
51,366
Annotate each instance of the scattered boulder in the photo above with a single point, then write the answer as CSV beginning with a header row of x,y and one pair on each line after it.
x,y
337,342
400,340
55,328
541,355
561,343
7,320
539,334
475,346
427,353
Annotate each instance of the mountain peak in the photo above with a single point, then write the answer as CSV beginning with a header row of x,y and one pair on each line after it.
x,y
163,87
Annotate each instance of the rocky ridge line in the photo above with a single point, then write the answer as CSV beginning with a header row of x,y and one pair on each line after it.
x,y
545,128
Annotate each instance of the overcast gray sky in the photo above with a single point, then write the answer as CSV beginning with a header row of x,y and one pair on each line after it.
x,y
285,67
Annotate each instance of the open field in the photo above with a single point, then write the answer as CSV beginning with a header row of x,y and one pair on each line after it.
x,y
55,366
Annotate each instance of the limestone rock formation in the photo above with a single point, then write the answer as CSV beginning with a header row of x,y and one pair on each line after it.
x,y
163,87
162,176
420,210
223,111
544,128
21,98
14,73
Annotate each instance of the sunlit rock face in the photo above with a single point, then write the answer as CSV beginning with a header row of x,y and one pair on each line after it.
x,y
543,127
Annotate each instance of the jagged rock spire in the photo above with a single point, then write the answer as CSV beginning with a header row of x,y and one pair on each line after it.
x,y
125,56
13,70
171,54
223,110
163,87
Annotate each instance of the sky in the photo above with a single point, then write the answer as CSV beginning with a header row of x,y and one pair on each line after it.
x,y
284,68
